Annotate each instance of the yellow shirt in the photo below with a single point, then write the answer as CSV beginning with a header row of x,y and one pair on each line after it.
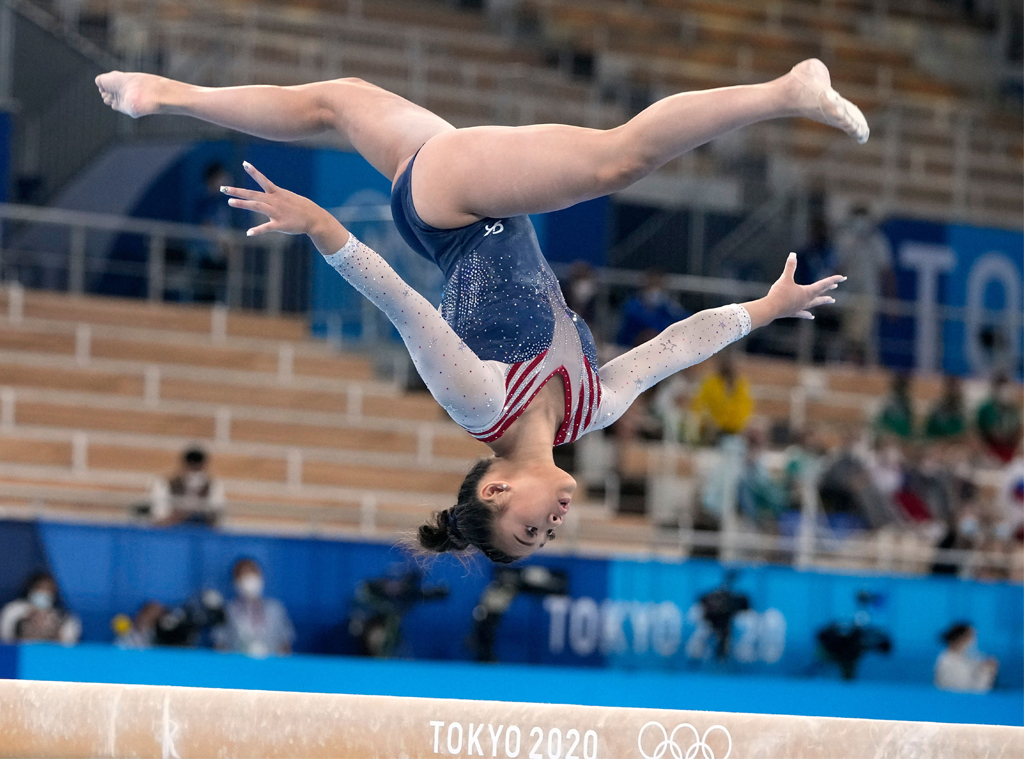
x,y
729,410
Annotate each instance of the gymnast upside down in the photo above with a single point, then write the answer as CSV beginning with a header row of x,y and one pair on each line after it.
x,y
505,356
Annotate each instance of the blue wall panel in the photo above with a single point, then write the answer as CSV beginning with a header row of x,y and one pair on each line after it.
x,y
93,663
627,614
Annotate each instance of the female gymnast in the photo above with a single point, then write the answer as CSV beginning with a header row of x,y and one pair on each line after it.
x,y
505,356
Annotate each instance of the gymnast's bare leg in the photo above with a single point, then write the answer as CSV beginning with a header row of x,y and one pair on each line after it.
x,y
384,128
462,175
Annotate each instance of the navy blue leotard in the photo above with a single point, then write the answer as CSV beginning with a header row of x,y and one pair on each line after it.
x,y
504,329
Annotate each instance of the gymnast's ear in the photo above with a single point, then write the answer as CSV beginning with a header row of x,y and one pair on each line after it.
x,y
494,489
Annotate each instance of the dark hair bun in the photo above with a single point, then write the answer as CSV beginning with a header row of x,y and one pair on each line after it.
x,y
441,534
469,523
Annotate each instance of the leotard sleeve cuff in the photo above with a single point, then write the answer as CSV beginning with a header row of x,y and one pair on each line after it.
x,y
744,317
346,250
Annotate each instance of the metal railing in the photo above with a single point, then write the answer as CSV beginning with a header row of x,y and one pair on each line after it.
x,y
361,515
82,252
74,251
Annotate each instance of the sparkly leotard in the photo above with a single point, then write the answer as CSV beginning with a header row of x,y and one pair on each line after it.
x,y
504,328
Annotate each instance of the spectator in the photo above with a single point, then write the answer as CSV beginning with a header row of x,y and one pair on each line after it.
x,y
963,533
253,625
897,414
648,312
581,291
189,495
759,497
864,255
999,419
39,614
947,421
861,484
960,667
210,208
814,261
139,632
208,258
1010,525
723,401
804,458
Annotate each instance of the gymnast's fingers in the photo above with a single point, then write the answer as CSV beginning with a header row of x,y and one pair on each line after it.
x,y
241,192
251,205
789,272
261,180
803,315
829,283
270,226
821,301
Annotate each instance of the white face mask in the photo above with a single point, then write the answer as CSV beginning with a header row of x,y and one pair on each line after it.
x,y
968,527
41,599
249,586
654,298
860,225
195,481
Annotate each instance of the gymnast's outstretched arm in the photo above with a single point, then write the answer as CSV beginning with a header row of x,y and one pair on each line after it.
x,y
472,391
696,339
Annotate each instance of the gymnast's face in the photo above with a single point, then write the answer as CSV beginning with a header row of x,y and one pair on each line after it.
x,y
533,503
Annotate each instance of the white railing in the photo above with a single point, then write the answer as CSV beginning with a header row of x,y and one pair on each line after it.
x,y
31,253
52,248
360,515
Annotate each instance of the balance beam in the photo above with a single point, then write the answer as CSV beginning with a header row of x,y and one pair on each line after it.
x,y
64,720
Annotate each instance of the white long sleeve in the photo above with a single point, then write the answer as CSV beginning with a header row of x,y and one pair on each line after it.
x,y
472,391
683,344
956,671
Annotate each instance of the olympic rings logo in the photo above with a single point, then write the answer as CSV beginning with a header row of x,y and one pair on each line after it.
x,y
668,743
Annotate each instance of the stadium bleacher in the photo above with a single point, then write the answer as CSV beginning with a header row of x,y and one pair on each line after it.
x,y
940,149
305,439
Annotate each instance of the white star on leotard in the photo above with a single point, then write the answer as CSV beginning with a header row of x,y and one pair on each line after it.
x,y
668,345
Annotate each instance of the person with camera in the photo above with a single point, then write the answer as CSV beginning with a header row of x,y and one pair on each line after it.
x,y
253,625
961,667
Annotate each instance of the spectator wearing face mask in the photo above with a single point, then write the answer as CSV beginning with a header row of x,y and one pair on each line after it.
x,y
961,667
947,420
1010,525
648,313
189,495
864,255
896,417
581,291
253,625
999,419
38,614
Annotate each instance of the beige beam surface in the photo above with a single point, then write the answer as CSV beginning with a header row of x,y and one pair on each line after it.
x,y
58,720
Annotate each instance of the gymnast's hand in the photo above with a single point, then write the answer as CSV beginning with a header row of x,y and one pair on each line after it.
x,y
289,213
788,299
